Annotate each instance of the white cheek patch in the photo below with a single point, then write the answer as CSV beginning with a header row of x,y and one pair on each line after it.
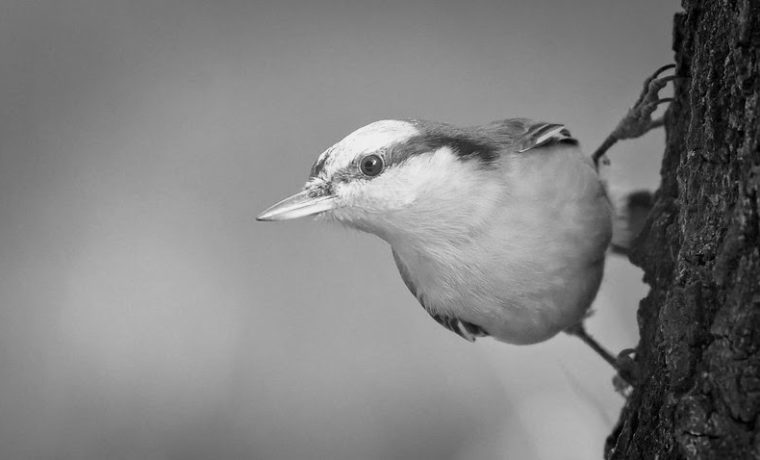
x,y
367,139
440,171
433,178
426,191
398,186
436,167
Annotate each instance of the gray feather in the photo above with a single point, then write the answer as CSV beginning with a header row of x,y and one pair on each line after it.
x,y
542,134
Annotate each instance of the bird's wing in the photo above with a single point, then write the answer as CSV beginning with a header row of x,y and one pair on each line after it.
x,y
541,134
524,134
464,329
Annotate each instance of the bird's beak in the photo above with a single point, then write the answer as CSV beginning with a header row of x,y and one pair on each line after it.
x,y
298,205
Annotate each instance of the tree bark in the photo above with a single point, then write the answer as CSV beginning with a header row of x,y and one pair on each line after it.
x,y
700,251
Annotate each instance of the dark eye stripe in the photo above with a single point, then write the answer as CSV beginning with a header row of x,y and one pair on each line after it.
x,y
463,147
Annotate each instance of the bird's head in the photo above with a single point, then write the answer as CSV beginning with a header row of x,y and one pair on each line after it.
x,y
395,176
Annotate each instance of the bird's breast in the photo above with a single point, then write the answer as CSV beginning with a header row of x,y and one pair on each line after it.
x,y
531,264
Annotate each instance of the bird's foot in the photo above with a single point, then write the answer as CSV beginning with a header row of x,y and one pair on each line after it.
x,y
626,367
638,121
628,375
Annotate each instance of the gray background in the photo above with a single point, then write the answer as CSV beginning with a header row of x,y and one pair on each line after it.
x,y
144,314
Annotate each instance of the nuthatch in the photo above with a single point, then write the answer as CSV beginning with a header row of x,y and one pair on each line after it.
x,y
498,230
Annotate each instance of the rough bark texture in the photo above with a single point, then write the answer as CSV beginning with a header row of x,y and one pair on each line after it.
x,y
700,250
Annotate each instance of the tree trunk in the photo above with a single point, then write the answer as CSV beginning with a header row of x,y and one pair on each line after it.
x,y
700,251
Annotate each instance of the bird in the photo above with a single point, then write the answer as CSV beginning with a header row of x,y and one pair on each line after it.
x,y
498,230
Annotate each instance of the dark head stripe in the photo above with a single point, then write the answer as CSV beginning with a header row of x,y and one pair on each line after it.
x,y
464,147
482,143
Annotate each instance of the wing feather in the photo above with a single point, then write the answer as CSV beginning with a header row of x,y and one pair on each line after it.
x,y
542,134
523,134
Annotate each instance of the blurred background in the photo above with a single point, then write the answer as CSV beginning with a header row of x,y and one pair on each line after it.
x,y
144,314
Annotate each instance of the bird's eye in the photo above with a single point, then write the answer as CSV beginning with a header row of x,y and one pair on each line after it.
x,y
371,165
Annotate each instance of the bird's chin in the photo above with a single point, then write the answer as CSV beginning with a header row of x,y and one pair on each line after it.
x,y
356,219
343,216
327,216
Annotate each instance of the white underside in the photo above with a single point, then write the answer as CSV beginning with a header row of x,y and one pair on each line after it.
x,y
518,249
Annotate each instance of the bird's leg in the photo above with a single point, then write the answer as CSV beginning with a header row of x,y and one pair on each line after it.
x,y
638,121
623,363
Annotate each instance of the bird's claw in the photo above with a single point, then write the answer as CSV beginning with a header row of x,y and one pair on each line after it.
x,y
628,375
638,121
627,370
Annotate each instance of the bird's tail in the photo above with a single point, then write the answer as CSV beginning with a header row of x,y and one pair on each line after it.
x,y
631,211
